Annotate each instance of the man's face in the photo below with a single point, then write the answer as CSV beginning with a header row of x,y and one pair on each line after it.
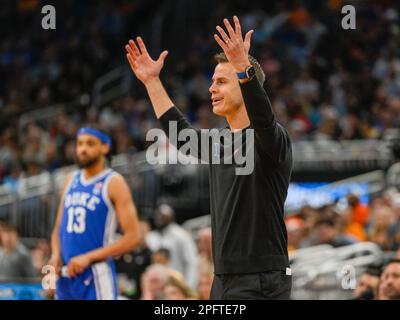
x,y
8,239
326,233
366,282
390,282
172,292
89,150
226,97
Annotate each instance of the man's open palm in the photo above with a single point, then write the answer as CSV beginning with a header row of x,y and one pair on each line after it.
x,y
144,67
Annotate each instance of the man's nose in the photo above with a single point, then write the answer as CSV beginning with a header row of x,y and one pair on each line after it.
x,y
212,88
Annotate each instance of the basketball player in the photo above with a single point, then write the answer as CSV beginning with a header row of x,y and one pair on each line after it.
x,y
249,237
93,199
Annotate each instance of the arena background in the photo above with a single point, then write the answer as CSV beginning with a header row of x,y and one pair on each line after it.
x,y
336,91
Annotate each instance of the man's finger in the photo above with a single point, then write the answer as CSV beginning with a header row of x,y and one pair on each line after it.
x,y
223,34
131,62
142,45
247,39
134,48
71,270
228,26
238,28
162,56
220,42
130,52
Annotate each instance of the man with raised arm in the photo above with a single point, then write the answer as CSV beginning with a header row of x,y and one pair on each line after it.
x,y
249,239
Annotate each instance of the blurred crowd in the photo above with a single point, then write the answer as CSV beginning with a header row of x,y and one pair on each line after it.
x,y
324,82
172,264
347,223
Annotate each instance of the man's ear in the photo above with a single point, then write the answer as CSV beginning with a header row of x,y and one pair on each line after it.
x,y
105,148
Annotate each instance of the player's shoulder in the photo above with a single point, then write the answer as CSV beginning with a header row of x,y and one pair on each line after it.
x,y
115,179
69,178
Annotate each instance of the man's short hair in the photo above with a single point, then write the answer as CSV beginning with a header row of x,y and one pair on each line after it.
x,y
325,222
7,227
221,58
395,260
373,271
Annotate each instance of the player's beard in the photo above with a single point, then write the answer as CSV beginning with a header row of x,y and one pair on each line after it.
x,y
88,162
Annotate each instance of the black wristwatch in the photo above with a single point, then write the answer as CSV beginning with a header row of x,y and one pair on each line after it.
x,y
248,74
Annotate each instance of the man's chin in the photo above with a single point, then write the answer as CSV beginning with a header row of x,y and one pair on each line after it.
x,y
218,111
83,164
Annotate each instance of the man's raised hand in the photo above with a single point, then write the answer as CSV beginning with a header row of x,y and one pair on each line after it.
x,y
144,67
235,48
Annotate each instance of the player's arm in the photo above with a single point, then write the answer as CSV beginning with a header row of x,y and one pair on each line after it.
x,y
121,198
272,138
55,259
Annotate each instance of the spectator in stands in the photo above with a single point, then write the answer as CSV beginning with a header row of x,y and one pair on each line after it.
x,y
359,211
11,180
327,233
131,266
177,289
161,256
206,264
367,286
351,227
295,230
394,228
153,281
204,285
379,227
389,286
40,254
15,260
177,240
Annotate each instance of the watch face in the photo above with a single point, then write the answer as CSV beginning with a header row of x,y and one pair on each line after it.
x,y
250,72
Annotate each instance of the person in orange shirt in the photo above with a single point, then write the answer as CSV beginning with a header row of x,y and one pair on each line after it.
x,y
295,230
360,211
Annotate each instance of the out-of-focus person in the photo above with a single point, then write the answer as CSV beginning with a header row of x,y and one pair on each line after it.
x,y
15,260
204,285
177,289
168,234
295,229
40,254
204,239
131,265
153,281
389,286
161,256
367,286
379,228
327,232
358,210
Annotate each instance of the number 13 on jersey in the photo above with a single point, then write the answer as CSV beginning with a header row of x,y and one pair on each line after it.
x,y
76,220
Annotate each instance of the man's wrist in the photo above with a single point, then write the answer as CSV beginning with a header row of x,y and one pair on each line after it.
x,y
241,67
152,81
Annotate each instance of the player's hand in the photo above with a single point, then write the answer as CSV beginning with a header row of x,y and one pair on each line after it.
x,y
56,262
144,67
78,264
235,48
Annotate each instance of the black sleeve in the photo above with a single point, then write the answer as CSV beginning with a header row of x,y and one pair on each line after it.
x,y
271,137
173,114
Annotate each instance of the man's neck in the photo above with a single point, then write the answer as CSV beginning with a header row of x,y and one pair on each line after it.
x,y
238,120
94,170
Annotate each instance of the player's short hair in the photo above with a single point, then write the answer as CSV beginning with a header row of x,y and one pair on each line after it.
x,y
221,58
